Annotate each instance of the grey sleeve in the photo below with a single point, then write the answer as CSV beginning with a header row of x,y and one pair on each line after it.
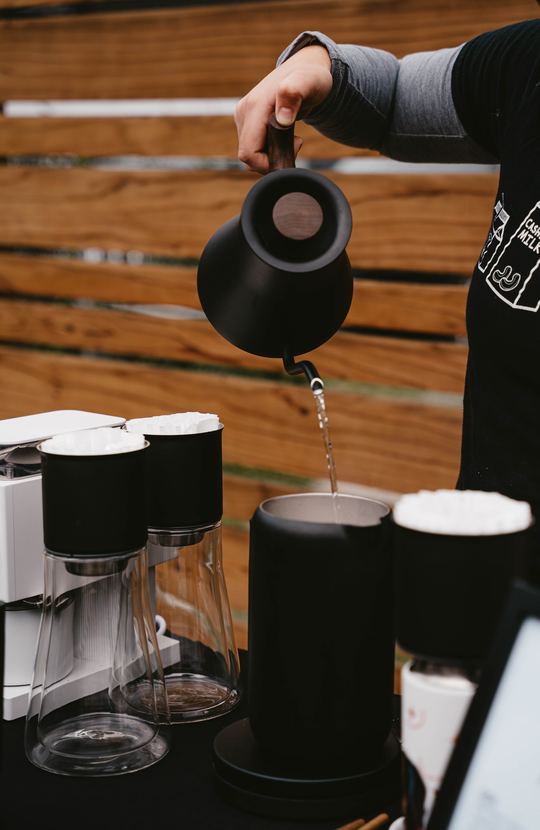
x,y
403,108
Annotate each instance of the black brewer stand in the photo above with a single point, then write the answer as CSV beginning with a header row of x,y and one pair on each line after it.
x,y
258,783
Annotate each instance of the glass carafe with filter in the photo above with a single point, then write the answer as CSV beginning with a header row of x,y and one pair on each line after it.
x,y
187,584
98,702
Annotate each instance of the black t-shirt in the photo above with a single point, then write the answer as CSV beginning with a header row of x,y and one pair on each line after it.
x,y
496,91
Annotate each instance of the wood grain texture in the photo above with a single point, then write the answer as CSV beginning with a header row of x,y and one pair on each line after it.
x,y
47,276
390,361
217,50
236,560
242,496
389,443
376,304
408,306
403,222
433,223
28,4
188,136
393,361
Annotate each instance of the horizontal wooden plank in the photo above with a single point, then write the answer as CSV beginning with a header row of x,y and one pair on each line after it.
x,y
217,50
433,223
380,442
347,356
390,361
171,213
29,4
406,306
242,495
402,306
236,561
402,222
191,136
48,276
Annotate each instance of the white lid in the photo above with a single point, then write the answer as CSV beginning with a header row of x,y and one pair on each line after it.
x,y
29,429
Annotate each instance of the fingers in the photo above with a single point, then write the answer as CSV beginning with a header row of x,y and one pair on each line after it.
x,y
291,90
251,122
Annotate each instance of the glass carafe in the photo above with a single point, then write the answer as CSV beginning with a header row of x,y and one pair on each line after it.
x,y
101,718
98,701
200,661
184,506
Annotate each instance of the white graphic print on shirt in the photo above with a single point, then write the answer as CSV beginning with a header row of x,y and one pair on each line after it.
x,y
495,236
512,276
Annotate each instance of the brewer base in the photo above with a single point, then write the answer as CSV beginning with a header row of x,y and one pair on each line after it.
x,y
245,777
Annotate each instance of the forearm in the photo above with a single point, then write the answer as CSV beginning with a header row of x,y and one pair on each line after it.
x,y
403,108
357,111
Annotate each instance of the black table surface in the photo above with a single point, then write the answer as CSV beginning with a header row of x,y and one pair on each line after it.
x,y
177,788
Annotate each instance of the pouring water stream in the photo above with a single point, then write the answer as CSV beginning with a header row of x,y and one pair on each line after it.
x,y
318,394
317,387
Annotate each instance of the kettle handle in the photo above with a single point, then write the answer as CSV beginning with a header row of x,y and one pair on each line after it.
x,y
280,145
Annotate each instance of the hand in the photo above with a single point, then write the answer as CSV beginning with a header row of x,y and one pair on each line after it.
x,y
291,90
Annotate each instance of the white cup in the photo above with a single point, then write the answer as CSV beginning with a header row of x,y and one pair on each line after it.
x,y
433,707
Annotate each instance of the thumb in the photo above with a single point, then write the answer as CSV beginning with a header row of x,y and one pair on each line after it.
x,y
288,104
286,115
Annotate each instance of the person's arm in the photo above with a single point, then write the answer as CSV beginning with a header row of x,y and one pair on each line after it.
x,y
358,107
368,99
404,108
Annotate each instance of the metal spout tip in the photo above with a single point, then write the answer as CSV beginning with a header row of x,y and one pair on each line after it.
x,y
303,367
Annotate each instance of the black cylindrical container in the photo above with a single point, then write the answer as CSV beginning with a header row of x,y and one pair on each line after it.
x,y
321,628
2,640
94,504
263,291
450,590
185,480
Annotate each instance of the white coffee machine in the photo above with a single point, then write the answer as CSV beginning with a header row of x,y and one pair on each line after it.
x,y
21,539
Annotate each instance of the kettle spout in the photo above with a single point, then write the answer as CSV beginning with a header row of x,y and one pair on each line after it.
x,y
305,367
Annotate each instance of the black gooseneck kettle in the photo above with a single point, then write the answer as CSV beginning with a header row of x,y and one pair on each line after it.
x,y
276,281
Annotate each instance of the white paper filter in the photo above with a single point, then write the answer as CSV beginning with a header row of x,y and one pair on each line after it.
x,y
462,512
180,423
102,441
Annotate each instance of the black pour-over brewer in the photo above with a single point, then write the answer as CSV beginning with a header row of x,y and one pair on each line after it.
x,y
276,281
317,742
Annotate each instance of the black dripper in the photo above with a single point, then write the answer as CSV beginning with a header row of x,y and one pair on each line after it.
x,y
93,505
184,480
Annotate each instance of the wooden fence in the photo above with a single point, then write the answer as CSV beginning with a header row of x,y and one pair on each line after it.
x,y
102,221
